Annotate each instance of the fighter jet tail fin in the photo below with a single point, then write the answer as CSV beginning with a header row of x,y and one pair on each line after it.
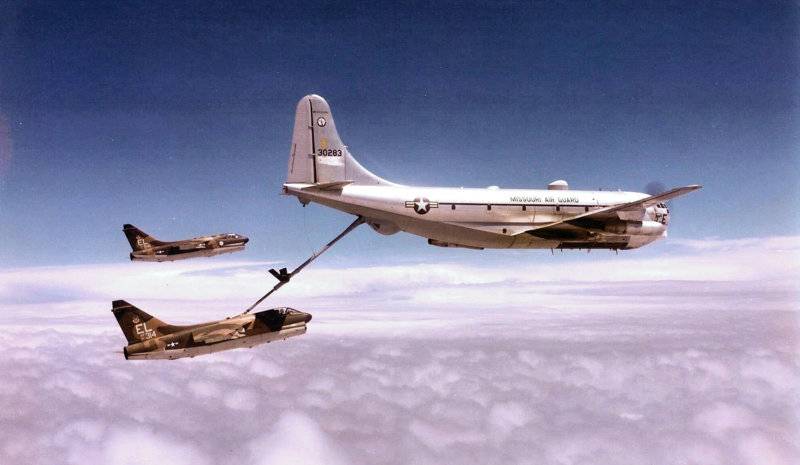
x,y
318,155
136,324
139,239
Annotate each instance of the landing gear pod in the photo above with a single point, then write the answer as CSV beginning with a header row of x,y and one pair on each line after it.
x,y
383,227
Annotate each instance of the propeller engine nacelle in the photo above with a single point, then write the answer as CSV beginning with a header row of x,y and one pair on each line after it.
x,y
659,213
636,228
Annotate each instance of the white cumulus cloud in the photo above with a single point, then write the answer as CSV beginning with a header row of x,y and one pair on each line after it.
x,y
606,361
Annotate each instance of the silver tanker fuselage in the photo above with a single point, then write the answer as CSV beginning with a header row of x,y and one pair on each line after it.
x,y
491,217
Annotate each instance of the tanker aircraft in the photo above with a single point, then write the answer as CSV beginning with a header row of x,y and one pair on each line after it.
x,y
150,338
322,170
149,249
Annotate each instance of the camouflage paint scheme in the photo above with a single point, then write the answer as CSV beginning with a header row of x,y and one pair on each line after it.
x,y
150,338
147,248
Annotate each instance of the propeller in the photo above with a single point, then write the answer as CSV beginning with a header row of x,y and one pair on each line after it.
x,y
655,188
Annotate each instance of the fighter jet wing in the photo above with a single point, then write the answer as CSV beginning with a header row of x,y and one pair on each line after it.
x,y
220,332
640,204
193,245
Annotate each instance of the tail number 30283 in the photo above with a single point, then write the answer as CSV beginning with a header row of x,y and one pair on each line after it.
x,y
329,153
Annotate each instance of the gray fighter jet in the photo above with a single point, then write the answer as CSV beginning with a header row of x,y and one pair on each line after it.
x,y
150,338
147,248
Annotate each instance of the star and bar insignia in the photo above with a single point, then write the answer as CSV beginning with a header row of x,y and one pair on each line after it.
x,y
422,205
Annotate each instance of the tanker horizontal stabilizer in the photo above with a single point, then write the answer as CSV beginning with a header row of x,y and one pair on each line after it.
x,y
330,186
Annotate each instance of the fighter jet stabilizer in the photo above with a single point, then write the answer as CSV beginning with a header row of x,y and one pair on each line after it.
x,y
149,249
150,338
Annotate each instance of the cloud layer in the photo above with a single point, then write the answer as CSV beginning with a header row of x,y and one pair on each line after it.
x,y
679,387
417,364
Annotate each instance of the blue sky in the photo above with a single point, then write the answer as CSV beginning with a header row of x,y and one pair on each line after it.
x,y
178,118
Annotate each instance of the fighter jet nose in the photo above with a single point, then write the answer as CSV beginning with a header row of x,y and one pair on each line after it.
x,y
245,240
308,317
